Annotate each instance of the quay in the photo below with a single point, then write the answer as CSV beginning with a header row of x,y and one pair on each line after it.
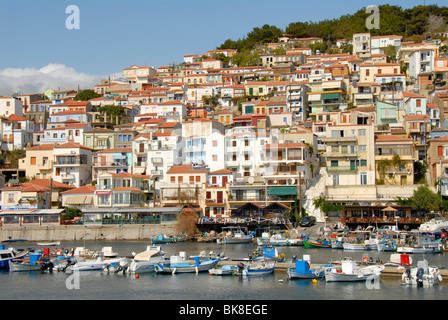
x,y
388,272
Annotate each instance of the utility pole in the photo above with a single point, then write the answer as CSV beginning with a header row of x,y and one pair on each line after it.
x,y
300,192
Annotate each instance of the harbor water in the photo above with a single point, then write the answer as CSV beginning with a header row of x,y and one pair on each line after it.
x,y
96,285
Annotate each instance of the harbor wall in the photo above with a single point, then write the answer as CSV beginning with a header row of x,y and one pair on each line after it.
x,y
86,232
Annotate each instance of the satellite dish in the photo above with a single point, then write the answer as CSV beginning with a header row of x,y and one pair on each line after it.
x,y
251,180
291,181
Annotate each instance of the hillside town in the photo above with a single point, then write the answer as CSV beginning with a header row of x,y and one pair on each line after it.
x,y
354,129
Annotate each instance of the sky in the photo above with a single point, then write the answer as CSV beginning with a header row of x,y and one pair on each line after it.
x,y
38,51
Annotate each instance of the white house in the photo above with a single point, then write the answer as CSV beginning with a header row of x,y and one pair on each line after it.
x,y
72,164
9,106
421,61
17,132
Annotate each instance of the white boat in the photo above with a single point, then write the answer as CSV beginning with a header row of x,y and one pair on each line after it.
x,y
49,244
353,246
144,261
422,275
435,225
350,271
278,239
92,264
108,253
235,235
225,270
420,243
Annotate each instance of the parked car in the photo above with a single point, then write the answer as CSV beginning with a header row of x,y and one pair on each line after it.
x,y
308,221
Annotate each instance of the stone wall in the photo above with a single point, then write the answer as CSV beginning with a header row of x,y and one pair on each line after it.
x,y
89,232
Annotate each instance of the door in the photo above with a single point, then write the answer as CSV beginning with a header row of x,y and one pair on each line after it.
x,y
352,165
224,181
219,197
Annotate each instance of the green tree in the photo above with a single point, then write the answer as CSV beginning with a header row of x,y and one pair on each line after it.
x,y
425,200
86,95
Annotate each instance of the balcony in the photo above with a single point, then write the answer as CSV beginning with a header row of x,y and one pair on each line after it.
x,y
65,176
342,169
140,164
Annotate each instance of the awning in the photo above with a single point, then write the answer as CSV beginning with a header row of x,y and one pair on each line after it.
x,y
283,191
79,200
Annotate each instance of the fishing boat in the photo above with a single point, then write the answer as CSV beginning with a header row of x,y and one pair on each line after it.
x,y
302,270
278,239
417,242
337,243
350,271
317,243
269,253
144,262
179,264
225,270
6,255
163,239
386,244
235,235
33,262
259,269
422,275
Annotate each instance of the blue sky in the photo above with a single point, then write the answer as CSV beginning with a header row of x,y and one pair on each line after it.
x,y
117,34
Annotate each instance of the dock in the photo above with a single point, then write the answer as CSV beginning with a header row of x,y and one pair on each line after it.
x,y
387,272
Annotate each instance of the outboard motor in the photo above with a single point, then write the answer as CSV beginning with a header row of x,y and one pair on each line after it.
x,y
294,258
420,277
240,267
47,265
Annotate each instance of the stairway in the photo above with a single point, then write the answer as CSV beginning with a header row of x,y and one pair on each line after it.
x,y
316,189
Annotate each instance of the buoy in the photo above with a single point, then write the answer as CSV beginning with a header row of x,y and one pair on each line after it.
x,y
314,281
136,276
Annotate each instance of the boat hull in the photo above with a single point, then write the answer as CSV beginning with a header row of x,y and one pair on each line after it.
x,y
237,240
192,268
24,267
313,274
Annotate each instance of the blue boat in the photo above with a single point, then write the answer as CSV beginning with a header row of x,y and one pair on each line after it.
x,y
35,263
270,253
7,255
178,264
302,271
163,239
260,269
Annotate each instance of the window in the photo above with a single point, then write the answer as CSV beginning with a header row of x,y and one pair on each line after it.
x,y
362,148
362,132
173,179
363,177
334,163
33,161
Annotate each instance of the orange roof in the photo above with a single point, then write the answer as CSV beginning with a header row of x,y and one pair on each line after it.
x,y
127,189
72,145
84,189
117,150
222,171
390,138
185,169
48,146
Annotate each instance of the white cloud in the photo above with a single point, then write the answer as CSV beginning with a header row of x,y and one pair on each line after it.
x,y
51,76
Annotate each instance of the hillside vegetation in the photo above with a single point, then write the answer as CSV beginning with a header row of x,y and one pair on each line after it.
x,y
409,23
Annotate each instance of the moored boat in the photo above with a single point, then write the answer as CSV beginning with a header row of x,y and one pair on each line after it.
x,y
422,275
350,271
269,253
302,271
259,269
317,243
225,270
235,235
178,264
144,262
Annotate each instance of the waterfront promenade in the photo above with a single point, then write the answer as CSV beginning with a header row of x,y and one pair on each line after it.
x,y
86,232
